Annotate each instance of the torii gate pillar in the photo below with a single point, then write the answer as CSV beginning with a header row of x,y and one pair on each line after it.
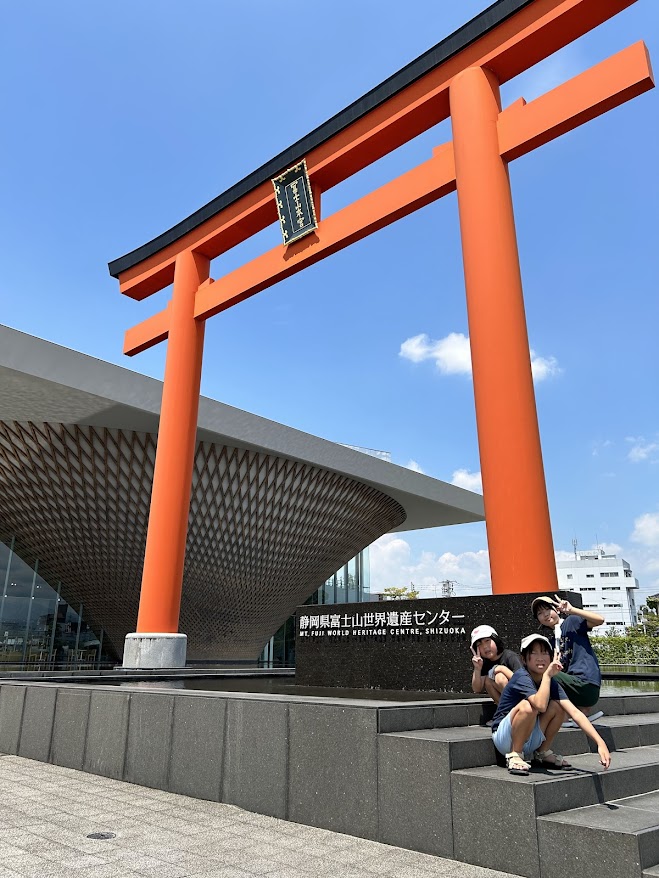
x,y
157,643
514,492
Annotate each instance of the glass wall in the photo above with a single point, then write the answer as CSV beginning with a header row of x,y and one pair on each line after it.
x,y
39,630
351,584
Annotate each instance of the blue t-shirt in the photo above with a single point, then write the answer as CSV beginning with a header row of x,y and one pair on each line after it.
x,y
519,687
577,656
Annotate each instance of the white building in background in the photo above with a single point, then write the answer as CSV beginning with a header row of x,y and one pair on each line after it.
x,y
606,584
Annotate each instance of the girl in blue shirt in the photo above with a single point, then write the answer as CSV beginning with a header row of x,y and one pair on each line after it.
x,y
567,629
531,710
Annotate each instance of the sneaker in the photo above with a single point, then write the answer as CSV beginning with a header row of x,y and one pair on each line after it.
x,y
570,723
489,723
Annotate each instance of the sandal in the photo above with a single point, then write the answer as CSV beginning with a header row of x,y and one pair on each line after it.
x,y
516,764
551,760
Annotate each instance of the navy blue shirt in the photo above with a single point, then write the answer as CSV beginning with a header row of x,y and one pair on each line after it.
x,y
577,656
519,687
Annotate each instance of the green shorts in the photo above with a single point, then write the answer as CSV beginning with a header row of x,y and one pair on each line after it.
x,y
580,693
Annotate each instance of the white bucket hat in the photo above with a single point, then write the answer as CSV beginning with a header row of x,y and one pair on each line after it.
x,y
482,631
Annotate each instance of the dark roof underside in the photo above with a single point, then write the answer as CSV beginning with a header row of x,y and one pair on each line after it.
x,y
451,45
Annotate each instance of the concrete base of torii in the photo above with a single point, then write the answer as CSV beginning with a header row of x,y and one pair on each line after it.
x,y
150,651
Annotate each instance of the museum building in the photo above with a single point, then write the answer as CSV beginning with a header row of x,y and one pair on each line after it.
x,y
275,514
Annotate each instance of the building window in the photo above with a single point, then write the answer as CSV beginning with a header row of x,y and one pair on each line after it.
x,y
590,576
610,606
610,588
569,576
590,606
587,588
609,574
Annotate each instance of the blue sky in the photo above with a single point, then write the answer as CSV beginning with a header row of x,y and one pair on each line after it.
x,y
123,118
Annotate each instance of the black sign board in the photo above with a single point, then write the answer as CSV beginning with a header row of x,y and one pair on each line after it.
x,y
295,203
420,644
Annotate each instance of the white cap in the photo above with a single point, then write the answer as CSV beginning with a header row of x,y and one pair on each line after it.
x,y
480,632
528,640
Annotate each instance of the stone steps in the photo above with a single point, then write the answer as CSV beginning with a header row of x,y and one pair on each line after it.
x,y
471,746
507,838
442,792
618,838
476,711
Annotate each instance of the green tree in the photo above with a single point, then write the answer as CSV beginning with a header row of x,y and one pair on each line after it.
x,y
636,649
392,593
648,624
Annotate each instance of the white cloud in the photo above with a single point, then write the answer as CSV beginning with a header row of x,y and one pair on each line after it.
x,y
414,466
642,450
389,561
392,564
646,529
417,349
645,560
470,481
452,355
544,367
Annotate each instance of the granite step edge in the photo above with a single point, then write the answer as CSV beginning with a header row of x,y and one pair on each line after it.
x,y
610,829
471,746
556,791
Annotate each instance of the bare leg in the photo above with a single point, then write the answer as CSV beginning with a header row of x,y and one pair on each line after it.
x,y
493,689
522,719
550,722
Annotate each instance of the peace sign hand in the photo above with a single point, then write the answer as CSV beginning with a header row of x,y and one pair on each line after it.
x,y
477,660
563,606
555,666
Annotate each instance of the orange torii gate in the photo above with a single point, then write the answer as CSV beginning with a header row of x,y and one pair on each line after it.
x,y
460,77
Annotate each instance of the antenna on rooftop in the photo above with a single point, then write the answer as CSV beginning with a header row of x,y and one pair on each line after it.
x,y
574,546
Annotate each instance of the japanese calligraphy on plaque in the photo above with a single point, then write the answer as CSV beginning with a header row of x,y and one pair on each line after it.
x,y
394,623
297,215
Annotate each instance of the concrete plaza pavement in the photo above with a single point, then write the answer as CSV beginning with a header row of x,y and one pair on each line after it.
x,y
47,813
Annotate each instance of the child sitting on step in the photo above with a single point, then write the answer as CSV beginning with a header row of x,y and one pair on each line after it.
x,y
493,664
567,629
531,710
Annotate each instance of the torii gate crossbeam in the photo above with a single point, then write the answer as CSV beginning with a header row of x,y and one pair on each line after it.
x,y
465,84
